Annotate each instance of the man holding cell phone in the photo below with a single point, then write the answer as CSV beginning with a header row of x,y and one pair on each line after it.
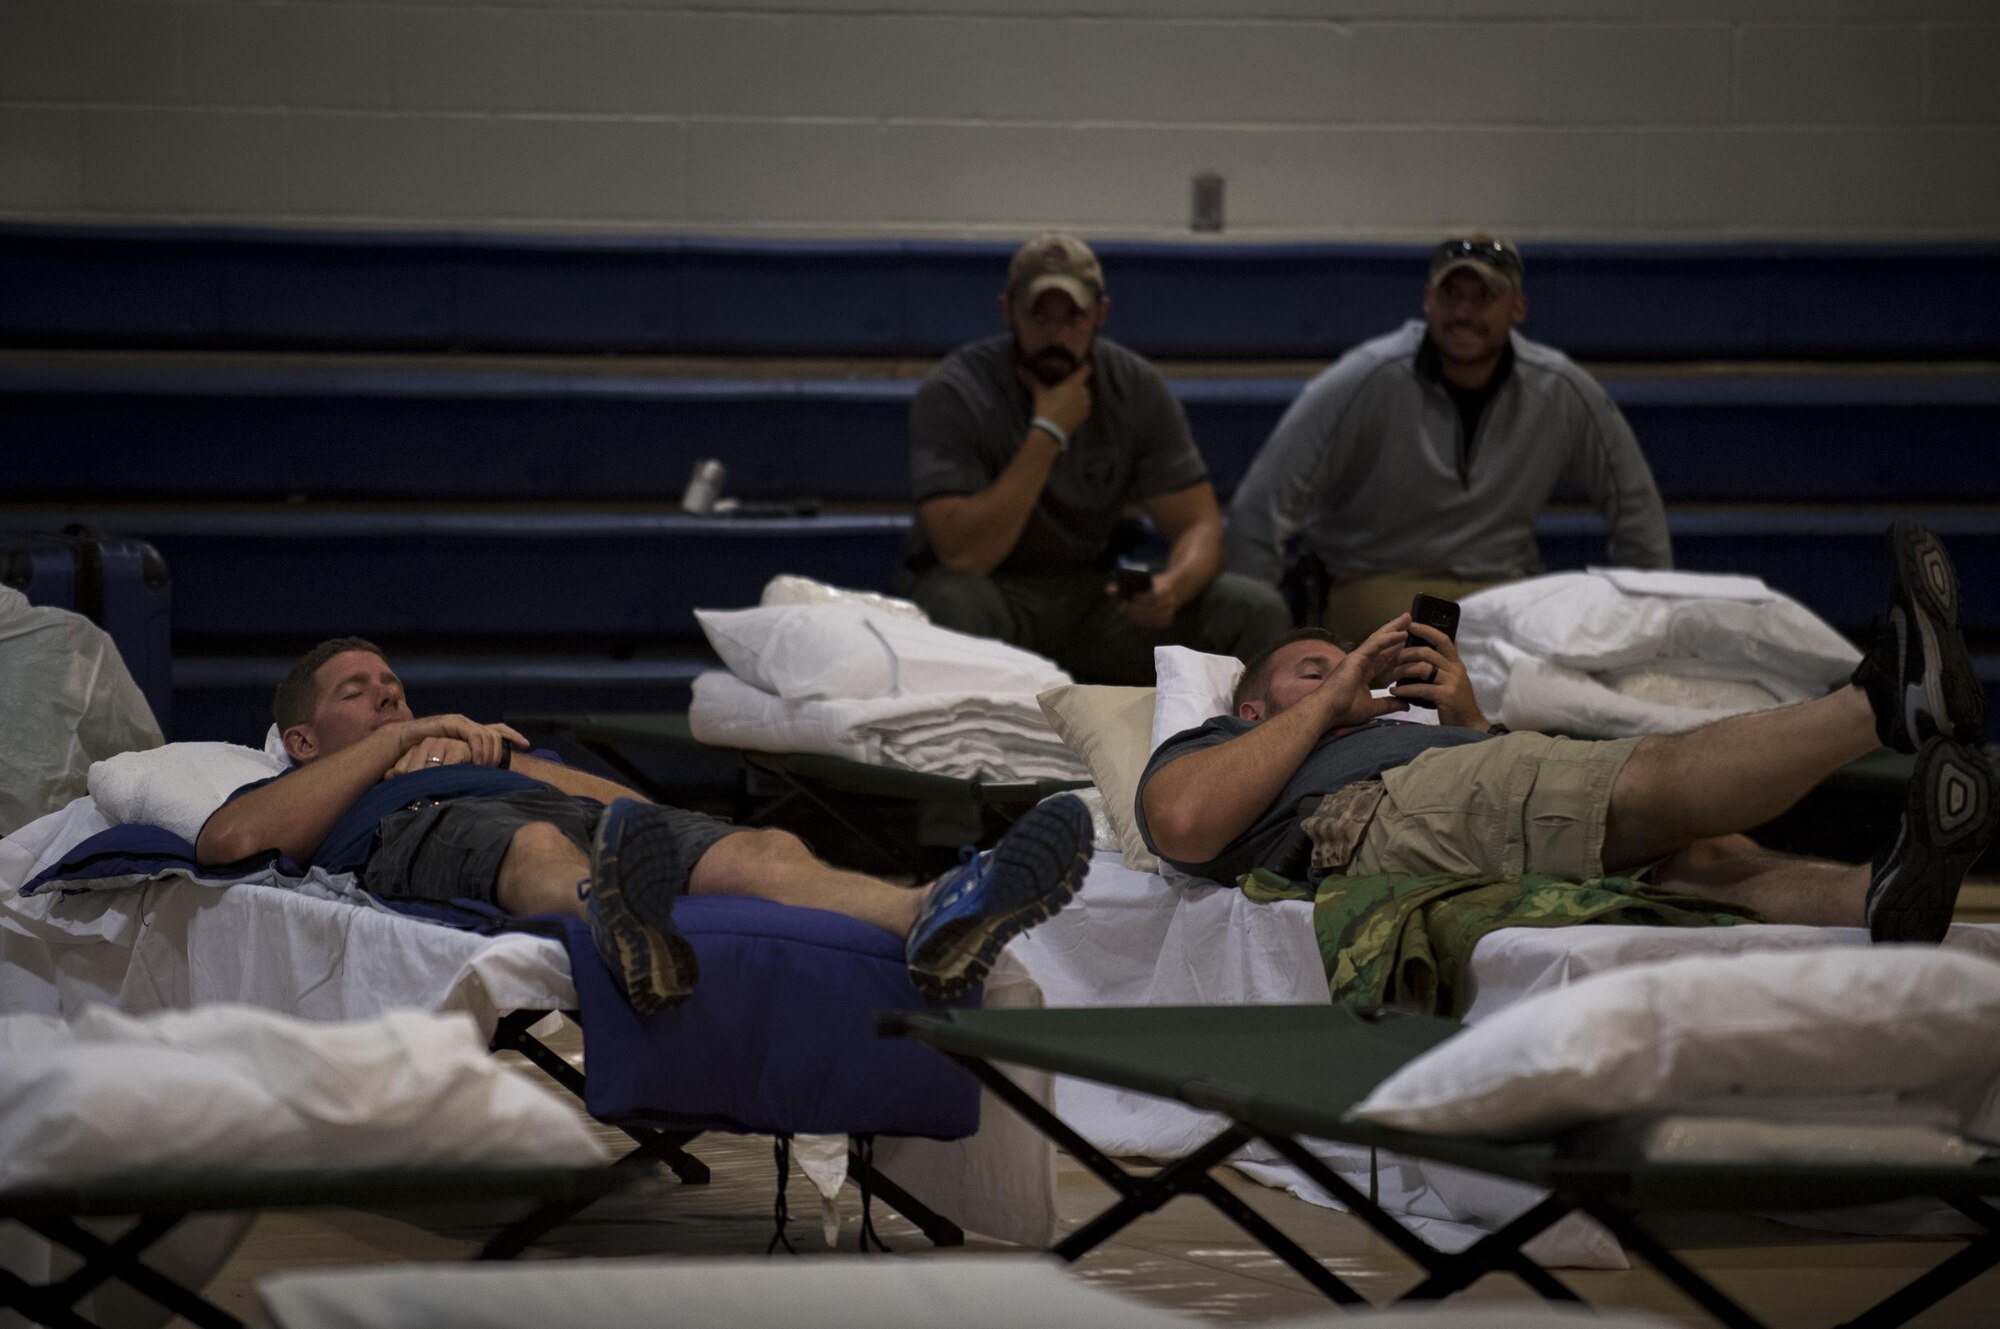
x,y
1027,450
1308,779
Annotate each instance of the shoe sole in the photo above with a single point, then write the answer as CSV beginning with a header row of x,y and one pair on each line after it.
x,y
655,965
1948,820
1051,840
1927,603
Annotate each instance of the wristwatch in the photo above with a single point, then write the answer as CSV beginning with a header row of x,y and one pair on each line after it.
x,y
506,761
1053,430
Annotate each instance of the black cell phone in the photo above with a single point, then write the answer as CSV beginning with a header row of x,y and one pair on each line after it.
x,y
1132,579
1437,612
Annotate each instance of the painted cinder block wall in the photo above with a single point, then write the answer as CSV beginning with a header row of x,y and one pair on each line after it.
x,y
1641,120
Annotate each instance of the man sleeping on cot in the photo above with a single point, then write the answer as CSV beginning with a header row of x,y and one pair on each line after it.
x,y
443,808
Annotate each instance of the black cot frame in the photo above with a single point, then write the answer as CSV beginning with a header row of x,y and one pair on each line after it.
x,y
162,1203
1283,1074
666,1144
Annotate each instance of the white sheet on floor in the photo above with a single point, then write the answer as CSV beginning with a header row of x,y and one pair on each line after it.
x,y
1613,652
1002,736
1133,938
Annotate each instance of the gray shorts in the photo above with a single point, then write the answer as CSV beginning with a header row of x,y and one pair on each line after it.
x,y
451,850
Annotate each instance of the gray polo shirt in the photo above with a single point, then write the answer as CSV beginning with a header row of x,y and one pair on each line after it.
x,y
1340,758
972,412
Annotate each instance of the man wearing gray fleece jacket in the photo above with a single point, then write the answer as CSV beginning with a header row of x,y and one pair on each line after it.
x,y
1419,460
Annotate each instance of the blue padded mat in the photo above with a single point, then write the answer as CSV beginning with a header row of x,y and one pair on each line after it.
x,y
778,1036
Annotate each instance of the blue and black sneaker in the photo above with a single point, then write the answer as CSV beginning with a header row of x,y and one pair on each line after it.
x,y
635,876
1948,818
975,909
1919,676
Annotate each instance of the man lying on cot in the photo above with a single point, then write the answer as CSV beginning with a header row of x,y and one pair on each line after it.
x,y
1306,781
442,808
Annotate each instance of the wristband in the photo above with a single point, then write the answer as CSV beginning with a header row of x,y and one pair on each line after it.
x,y
1053,430
506,761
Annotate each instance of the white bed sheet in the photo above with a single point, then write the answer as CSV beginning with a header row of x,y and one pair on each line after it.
x,y
1134,938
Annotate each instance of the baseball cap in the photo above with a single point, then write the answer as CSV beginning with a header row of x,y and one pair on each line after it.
x,y
1055,261
1497,262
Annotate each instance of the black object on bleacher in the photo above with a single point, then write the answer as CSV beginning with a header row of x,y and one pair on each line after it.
x,y
120,584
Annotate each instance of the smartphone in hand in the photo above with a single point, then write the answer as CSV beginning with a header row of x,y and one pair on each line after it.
x,y
1134,579
1437,612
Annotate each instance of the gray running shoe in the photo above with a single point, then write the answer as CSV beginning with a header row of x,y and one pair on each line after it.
x,y
1919,676
635,876
1948,818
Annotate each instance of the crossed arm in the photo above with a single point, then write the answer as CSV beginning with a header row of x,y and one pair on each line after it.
x,y
293,814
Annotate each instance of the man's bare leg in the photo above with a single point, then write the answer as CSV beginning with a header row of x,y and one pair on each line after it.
x,y
776,865
542,867
1782,888
1731,775
540,873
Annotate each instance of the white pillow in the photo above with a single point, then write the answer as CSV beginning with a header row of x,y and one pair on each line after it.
x,y
234,1087
817,651
1836,1019
1190,688
176,787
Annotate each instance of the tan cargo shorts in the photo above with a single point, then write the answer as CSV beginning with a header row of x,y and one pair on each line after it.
x,y
1513,804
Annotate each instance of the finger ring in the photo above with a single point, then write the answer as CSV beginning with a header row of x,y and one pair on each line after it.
x,y
437,761
1434,675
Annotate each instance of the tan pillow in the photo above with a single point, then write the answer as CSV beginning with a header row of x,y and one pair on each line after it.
x,y
1111,729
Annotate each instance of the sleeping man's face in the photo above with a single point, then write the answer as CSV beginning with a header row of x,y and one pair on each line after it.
x,y
358,694
1296,670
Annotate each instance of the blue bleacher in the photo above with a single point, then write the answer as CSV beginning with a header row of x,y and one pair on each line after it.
x,y
484,435
463,292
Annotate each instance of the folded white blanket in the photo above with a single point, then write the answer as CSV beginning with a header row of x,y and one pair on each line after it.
x,y
236,1089
1614,653
966,737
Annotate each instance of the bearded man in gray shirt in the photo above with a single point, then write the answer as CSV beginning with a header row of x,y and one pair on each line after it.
x,y
1026,452
1420,460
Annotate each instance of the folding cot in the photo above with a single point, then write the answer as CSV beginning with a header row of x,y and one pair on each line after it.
x,y
753,1051
161,1204
792,789
1281,1074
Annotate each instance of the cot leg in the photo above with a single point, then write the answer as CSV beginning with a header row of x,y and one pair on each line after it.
x,y
104,1260
1704,1293
938,1229
1934,1286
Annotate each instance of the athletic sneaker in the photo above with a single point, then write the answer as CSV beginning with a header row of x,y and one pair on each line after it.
x,y
1948,817
981,905
635,876
1918,675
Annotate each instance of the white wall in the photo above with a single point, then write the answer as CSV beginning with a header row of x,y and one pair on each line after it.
x,y
1361,119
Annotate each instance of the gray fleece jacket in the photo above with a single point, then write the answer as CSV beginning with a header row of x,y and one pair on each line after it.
x,y
1370,463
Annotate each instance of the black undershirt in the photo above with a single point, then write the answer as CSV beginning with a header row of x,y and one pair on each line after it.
x,y
1471,402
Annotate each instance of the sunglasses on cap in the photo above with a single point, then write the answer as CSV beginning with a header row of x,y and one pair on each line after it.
x,y
1495,254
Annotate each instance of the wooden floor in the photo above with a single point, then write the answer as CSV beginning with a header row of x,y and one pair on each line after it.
x,y
1186,1257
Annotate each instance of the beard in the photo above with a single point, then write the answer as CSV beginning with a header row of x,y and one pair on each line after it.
x,y
1050,365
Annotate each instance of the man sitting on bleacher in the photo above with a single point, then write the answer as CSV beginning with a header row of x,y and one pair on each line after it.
x,y
1304,779
1420,460
1026,451
443,808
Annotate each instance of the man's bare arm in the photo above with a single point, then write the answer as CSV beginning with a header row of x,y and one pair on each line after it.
x,y
1197,804
1192,523
572,781
975,532
293,814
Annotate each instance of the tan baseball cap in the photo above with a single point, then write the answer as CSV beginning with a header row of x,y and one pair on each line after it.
x,y
1055,261
1497,262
